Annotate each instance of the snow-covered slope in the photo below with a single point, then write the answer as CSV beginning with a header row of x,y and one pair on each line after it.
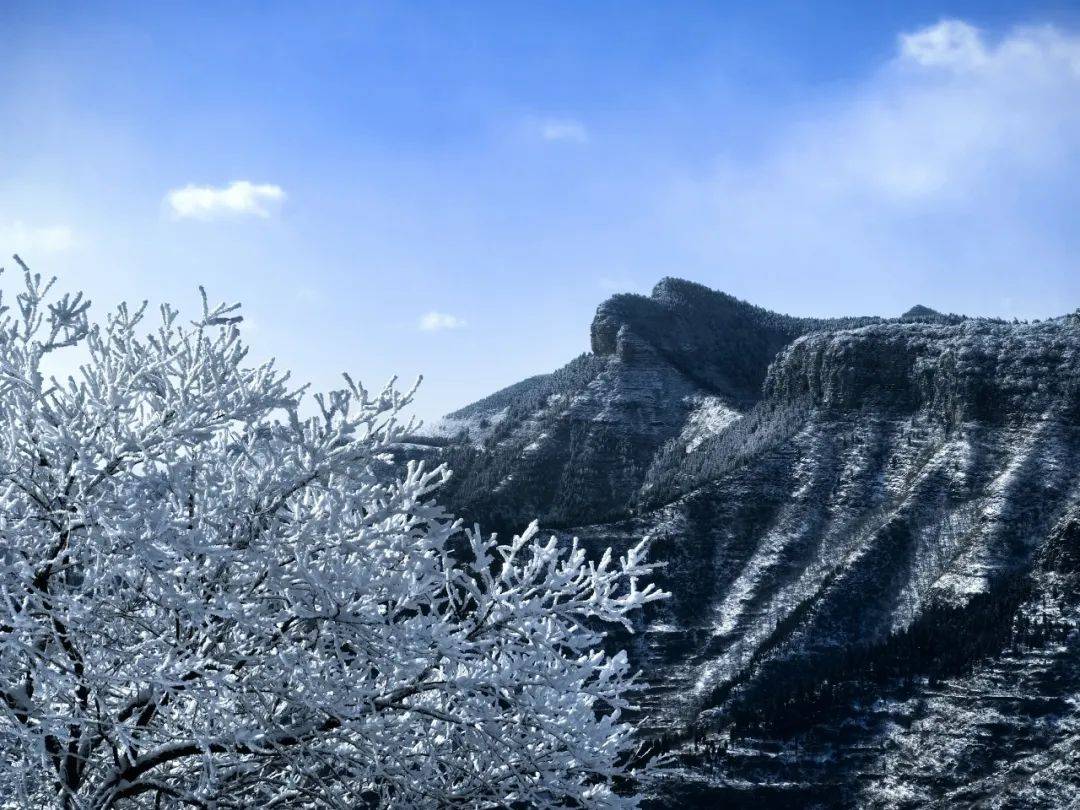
x,y
669,370
875,561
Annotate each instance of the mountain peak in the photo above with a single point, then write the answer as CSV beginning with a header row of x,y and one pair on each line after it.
x,y
721,342
920,312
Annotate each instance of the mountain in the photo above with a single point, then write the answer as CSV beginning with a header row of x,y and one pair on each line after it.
x,y
871,530
578,445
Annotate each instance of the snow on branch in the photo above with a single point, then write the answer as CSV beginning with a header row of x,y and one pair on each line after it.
x,y
208,598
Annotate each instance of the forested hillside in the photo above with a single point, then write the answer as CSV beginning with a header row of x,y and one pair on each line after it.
x,y
869,528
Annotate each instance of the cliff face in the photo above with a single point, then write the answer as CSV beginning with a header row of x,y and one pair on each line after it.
x,y
976,370
722,343
574,451
874,561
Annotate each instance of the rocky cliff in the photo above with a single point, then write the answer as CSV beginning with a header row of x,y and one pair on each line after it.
x,y
577,445
871,530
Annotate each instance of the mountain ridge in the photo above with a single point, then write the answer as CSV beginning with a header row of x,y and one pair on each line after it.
x,y
685,355
873,559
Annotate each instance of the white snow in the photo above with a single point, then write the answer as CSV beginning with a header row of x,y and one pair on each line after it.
x,y
476,427
709,416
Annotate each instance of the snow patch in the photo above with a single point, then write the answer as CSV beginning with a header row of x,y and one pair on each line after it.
x,y
475,427
709,416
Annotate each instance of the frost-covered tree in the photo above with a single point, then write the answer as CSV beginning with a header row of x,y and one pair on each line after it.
x,y
209,599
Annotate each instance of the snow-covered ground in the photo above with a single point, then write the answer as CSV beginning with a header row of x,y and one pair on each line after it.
x,y
709,416
476,427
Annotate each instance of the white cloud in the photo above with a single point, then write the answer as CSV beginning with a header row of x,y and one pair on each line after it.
x,y
438,321
951,114
959,154
18,237
239,198
950,44
564,129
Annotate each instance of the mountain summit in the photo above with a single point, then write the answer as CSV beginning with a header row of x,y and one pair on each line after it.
x,y
920,313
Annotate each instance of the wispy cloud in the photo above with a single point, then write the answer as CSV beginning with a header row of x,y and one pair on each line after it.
x,y
19,237
241,198
951,155
439,321
564,129
948,115
955,113
950,44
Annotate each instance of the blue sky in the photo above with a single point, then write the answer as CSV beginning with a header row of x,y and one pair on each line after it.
x,y
452,188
